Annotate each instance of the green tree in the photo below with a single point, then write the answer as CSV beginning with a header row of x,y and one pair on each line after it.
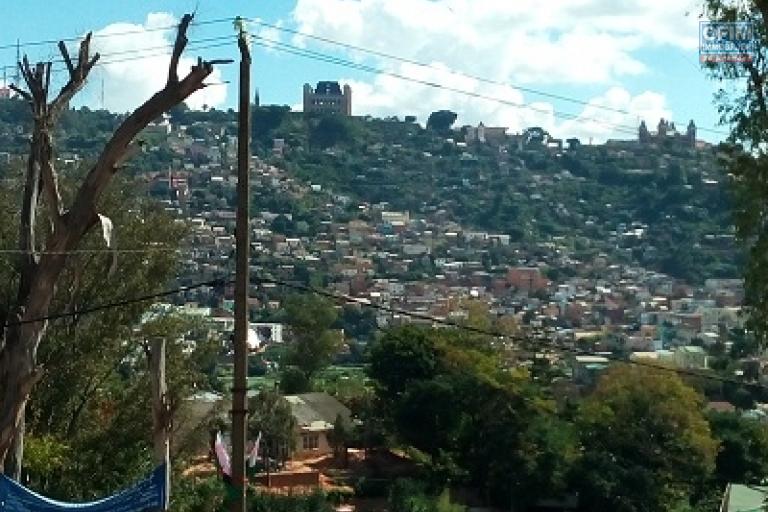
x,y
340,437
96,382
293,381
412,496
401,356
743,454
314,342
441,120
330,131
741,101
427,416
266,120
52,225
270,415
647,445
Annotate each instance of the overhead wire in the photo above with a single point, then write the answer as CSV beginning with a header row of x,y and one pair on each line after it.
x,y
223,281
272,44
495,334
121,303
390,56
286,48
93,251
96,35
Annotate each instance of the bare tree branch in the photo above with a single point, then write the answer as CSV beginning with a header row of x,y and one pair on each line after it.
x,y
178,48
21,92
77,74
83,213
67,59
40,275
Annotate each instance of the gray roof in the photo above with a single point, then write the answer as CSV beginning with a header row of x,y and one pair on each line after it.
x,y
745,498
316,410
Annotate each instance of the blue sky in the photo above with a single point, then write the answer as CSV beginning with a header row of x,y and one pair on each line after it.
x,y
635,61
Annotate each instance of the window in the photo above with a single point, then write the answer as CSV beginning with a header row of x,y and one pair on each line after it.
x,y
310,441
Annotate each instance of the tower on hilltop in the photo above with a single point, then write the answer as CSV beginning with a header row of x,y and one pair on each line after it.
x,y
328,98
690,133
666,131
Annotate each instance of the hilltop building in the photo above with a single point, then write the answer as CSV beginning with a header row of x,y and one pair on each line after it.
x,y
492,135
666,130
328,98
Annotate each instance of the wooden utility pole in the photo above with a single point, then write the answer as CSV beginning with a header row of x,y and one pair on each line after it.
x,y
239,389
161,417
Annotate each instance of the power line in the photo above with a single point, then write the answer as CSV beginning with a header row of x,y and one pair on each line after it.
x,y
93,251
343,62
301,52
219,282
405,60
156,51
114,34
335,60
126,302
485,332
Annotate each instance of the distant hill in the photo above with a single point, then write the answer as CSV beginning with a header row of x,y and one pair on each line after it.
x,y
663,206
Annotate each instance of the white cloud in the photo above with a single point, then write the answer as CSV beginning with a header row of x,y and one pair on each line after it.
x,y
135,61
267,36
532,43
619,120
529,41
614,114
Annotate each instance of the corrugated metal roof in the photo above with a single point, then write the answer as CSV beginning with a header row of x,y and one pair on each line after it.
x,y
316,411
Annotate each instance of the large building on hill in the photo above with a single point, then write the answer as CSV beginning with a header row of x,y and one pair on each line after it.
x,y
328,98
666,130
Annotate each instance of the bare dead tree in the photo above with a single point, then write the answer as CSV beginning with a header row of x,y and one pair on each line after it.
x,y
42,263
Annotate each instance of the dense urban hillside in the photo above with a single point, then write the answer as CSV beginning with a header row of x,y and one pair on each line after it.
x,y
660,206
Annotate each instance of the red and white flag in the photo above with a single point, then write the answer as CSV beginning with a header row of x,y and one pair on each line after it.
x,y
222,455
254,454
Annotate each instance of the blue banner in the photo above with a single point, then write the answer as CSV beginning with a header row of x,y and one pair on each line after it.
x,y
146,495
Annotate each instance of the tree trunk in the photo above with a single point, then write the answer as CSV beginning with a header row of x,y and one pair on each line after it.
x,y
39,273
18,369
16,452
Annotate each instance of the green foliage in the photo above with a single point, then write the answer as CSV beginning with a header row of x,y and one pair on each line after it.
x,y
426,415
402,356
358,323
743,454
331,130
96,379
367,487
647,445
268,502
742,106
340,436
271,416
265,120
412,496
445,394
441,120
189,495
314,342
293,381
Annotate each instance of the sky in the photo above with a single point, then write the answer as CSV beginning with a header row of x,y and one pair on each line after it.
x,y
590,69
